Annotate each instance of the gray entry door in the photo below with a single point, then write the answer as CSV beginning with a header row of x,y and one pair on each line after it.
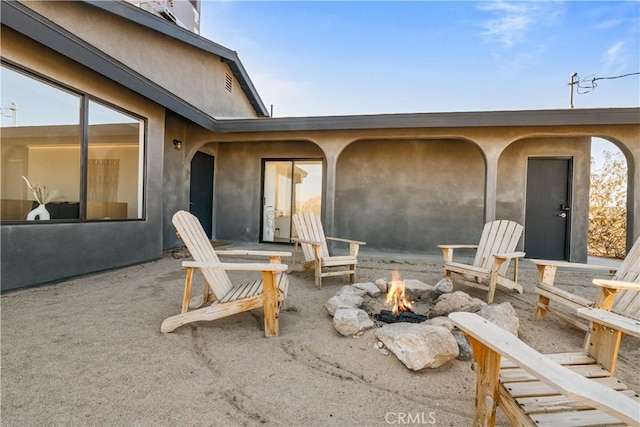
x,y
201,190
548,211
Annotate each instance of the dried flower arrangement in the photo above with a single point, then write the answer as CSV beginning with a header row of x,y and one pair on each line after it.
x,y
41,193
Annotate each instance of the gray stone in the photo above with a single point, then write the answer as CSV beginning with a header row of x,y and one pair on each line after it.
x,y
370,288
417,290
502,315
351,321
464,348
444,286
382,285
441,321
456,301
419,345
343,301
348,290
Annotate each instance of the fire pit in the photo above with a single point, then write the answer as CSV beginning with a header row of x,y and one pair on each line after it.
x,y
409,316
400,305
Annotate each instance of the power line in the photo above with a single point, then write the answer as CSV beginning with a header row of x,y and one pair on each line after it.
x,y
588,84
592,80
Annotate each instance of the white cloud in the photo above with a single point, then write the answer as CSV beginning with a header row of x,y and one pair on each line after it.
x,y
514,20
610,23
615,58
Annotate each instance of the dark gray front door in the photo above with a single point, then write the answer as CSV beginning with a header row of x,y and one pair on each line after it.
x,y
201,190
548,211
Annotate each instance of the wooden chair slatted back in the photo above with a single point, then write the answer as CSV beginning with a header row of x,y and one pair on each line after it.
x,y
627,302
309,227
498,236
195,239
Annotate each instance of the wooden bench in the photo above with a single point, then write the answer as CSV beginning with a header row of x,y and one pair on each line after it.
x,y
565,389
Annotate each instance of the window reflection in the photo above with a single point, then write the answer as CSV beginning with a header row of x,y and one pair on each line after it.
x,y
113,167
41,140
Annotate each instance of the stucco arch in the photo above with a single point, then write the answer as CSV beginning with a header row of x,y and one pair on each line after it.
x,y
574,143
512,189
410,192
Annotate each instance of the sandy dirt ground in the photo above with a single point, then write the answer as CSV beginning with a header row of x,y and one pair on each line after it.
x,y
89,352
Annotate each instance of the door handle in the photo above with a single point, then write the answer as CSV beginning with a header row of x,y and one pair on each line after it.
x,y
562,215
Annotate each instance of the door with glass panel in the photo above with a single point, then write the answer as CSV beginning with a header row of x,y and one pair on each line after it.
x,y
289,186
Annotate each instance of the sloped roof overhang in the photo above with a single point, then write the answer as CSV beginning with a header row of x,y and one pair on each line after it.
x,y
228,56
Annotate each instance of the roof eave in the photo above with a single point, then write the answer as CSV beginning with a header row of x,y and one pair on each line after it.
x,y
565,117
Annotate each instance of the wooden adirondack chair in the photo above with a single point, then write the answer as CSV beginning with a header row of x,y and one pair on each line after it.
x,y
223,297
533,389
493,255
316,253
626,302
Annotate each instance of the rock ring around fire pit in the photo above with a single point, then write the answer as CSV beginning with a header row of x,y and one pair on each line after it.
x,y
415,329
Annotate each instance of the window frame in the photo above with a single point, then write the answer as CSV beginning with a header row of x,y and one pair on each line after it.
x,y
85,98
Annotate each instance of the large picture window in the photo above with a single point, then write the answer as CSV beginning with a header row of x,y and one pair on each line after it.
x,y
80,158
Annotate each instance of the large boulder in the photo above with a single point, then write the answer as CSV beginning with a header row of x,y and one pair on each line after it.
x,y
337,302
456,301
369,287
444,286
417,290
348,290
381,284
502,315
419,345
351,321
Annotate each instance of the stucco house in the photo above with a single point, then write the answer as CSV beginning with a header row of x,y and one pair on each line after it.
x,y
129,118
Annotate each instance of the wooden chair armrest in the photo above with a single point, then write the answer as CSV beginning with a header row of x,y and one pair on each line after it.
x,y
611,320
447,250
311,242
253,253
566,264
458,246
235,266
608,290
338,239
510,255
617,284
560,378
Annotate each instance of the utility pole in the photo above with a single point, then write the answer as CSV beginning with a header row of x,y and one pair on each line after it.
x,y
13,111
573,81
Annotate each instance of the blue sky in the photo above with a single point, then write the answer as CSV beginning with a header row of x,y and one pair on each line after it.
x,y
356,57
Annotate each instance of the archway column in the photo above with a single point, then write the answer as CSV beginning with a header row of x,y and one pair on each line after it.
x,y
633,190
331,146
491,147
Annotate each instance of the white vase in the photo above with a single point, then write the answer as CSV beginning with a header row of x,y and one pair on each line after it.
x,y
40,212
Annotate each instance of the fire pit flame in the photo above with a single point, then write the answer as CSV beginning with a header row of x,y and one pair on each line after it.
x,y
396,297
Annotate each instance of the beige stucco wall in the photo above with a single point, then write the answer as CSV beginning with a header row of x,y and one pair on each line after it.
x,y
190,73
411,189
409,195
238,184
512,183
